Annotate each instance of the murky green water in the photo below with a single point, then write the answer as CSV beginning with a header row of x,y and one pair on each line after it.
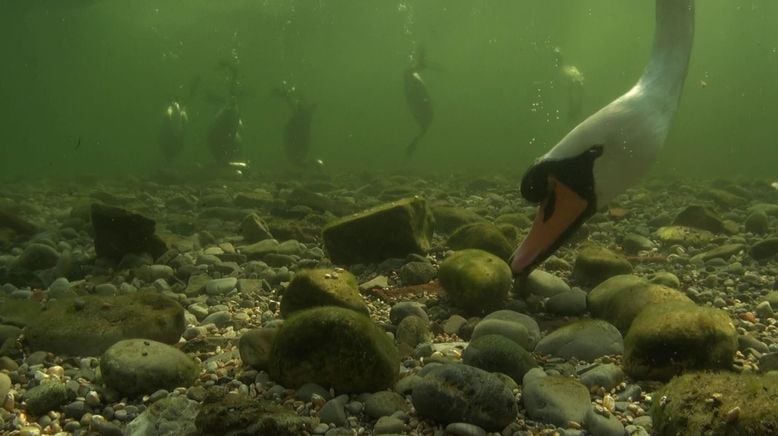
x,y
84,83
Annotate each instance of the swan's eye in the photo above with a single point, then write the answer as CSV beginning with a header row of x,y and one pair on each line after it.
x,y
534,184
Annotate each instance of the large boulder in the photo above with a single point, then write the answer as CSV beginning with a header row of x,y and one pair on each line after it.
x,y
87,326
334,347
668,339
119,232
620,299
717,403
475,280
322,287
390,230
141,366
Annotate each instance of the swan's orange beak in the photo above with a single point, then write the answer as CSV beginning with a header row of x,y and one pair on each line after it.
x,y
561,212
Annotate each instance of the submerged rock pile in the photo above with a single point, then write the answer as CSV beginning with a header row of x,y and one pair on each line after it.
x,y
350,305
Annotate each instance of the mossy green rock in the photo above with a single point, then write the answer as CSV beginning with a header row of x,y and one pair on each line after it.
x,y
18,312
484,236
334,347
700,217
495,353
668,339
395,229
448,218
619,305
475,280
140,366
47,396
322,287
584,339
599,299
87,326
595,264
237,415
686,236
685,406
765,249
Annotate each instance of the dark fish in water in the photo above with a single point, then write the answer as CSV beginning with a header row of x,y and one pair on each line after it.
x,y
172,130
224,134
418,98
224,137
297,132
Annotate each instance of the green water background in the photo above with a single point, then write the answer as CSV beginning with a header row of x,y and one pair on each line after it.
x,y
83,83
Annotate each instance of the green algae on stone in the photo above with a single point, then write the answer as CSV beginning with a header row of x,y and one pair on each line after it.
x,y
449,218
595,264
322,287
621,308
333,347
716,404
483,236
764,249
235,414
394,229
495,353
88,325
140,366
700,217
475,280
668,339
686,236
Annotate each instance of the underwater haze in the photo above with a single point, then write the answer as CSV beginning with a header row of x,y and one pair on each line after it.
x,y
84,83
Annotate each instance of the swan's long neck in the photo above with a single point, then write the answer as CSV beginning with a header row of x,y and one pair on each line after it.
x,y
666,70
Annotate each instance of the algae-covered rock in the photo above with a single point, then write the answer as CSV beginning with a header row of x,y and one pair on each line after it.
x,y
395,229
322,287
620,308
717,404
668,339
484,236
449,218
87,326
700,217
18,312
764,249
254,347
757,223
686,236
585,339
47,396
412,331
233,414
598,300
555,399
595,264
141,366
334,347
475,280
496,353
461,393
119,232
721,252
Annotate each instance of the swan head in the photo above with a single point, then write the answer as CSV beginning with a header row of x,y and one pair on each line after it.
x,y
599,159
